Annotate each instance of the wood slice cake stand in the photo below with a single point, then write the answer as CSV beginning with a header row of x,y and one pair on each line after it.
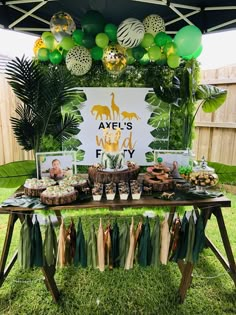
x,y
62,200
33,192
104,177
158,185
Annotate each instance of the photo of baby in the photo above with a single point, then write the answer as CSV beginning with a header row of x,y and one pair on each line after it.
x,y
56,172
55,165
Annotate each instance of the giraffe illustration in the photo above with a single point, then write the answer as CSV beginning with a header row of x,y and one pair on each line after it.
x,y
115,108
101,110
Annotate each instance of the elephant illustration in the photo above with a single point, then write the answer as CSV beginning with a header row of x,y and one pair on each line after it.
x,y
100,111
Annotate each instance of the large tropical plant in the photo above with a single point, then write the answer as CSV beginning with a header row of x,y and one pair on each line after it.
x,y
187,96
42,92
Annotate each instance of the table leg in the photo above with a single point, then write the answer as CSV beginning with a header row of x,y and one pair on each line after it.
x,y
50,281
10,227
224,236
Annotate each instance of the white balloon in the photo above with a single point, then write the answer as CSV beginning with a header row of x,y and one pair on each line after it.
x,y
154,24
130,33
78,60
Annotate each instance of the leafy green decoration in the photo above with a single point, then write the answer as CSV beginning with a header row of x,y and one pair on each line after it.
x,y
14,174
212,97
160,121
42,91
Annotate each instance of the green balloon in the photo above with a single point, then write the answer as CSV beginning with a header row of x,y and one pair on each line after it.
x,y
170,48
138,52
45,34
49,42
147,40
93,22
97,53
188,39
102,40
196,54
162,61
144,60
111,31
64,53
173,61
55,57
129,57
154,53
161,39
78,36
43,54
67,43
88,41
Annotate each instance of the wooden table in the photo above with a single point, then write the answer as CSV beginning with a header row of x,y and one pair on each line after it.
x,y
207,207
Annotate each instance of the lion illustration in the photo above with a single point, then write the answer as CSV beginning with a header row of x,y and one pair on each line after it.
x,y
130,115
100,111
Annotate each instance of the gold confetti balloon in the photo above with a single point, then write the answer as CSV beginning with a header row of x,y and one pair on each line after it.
x,y
114,59
61,25
37,45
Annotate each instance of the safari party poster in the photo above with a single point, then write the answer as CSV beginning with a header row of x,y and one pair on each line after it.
x,y
122,112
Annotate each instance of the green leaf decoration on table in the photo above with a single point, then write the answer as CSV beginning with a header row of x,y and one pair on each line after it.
x,y
212,97
226,173
14,174
149,156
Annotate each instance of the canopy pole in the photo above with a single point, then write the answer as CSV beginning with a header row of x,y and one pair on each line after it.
x,y
32,15
179,18
42,3
180,14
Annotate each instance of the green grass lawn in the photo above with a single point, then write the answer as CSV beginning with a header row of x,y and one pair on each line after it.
x,y
138,291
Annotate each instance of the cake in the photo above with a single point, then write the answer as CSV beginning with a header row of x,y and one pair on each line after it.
x,y
58,195
78,182
34,187
112,167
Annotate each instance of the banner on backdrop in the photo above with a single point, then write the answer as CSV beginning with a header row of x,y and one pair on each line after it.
x,y
125,113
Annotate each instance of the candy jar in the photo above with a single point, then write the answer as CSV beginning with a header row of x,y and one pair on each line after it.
x,y
203,176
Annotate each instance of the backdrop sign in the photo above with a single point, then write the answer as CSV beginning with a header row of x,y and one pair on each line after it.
x,y
116,109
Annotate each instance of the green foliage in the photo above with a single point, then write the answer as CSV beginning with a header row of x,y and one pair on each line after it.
x,y
42,92
211,96
14,174
226,173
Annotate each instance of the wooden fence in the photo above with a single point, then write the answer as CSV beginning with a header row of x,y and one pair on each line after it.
x,y
9,149
215,133
215,136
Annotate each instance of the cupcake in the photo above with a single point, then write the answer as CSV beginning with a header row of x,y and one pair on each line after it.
x,y
123,188
135,189
110,190
97,191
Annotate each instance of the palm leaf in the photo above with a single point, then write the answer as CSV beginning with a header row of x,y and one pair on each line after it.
x,y
42,91
14,174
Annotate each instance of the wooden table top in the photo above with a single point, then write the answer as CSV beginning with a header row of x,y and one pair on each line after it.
x,y
117,204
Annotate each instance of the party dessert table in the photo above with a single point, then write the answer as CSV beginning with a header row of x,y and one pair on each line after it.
x,y
206,207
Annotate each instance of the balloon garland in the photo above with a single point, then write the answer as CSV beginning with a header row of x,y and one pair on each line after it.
x,y
115,46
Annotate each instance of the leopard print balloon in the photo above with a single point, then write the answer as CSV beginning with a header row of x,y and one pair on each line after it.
x,y
78,60
154,24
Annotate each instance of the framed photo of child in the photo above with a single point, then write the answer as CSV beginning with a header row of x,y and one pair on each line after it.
x,y
55,165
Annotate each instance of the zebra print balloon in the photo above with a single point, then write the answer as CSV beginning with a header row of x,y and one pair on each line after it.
x,y
130,33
